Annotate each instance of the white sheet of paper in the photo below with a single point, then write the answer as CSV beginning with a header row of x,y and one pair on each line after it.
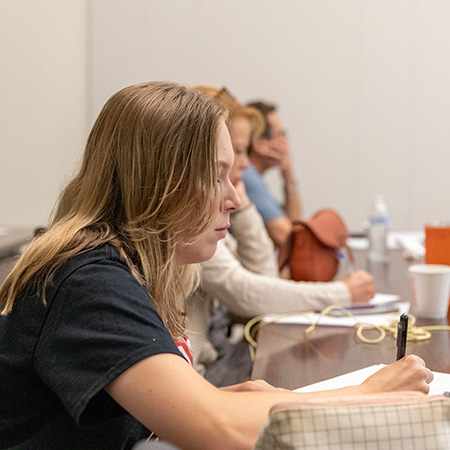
x,y
369,319
384,298
439,385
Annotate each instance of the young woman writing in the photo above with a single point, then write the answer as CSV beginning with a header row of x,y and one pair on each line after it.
x,y
92,310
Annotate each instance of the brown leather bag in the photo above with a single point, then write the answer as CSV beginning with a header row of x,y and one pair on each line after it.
x,y
312,250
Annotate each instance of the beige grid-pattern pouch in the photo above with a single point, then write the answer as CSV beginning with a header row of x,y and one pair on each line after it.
x,y
401,421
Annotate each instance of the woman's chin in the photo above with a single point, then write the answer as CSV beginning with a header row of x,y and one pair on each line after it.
x,y
193,257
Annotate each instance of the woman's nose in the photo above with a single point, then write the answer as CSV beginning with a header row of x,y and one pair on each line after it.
x,y
232,201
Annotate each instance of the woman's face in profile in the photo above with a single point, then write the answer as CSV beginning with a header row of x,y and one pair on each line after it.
x,y
204,246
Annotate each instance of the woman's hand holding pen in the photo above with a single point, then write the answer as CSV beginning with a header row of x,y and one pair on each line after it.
x,y
360,285
406,374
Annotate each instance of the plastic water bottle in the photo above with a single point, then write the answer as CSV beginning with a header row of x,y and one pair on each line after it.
x,y
377,257
378,228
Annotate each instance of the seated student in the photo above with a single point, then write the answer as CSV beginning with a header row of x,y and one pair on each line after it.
x,y
271,150
93,308
243,274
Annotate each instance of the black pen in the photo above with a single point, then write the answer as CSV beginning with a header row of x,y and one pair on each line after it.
x,y
402,332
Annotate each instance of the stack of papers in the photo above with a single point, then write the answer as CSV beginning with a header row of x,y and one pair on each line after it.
x,y
345,321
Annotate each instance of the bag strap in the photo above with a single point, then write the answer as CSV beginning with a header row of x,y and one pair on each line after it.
x,y
285,249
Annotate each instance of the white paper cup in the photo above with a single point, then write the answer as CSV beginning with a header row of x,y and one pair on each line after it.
x,y
431,287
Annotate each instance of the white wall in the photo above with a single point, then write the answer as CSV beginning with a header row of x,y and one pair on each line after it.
x,y
363,86
44,57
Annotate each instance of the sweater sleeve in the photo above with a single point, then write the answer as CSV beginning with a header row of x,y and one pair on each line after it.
x,y
248,294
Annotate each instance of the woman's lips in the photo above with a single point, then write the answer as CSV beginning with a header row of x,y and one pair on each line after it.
x,y
222,232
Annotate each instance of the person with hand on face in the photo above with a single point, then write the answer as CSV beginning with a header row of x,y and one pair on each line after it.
x,y
269,150
242,276
93,310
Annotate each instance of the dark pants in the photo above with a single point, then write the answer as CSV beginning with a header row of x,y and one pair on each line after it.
x,y
233,364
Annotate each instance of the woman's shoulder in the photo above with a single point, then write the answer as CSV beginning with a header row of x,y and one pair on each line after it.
x,y
98,276
105,254
102,264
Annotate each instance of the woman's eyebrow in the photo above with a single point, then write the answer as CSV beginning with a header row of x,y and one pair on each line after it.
x,y
223,165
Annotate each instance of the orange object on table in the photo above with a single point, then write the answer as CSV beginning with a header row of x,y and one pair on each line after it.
x,y
437,246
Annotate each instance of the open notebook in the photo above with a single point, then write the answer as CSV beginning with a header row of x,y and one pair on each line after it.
x,y
439,385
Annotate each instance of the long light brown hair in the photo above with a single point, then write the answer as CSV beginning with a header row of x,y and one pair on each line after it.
x,y
147,183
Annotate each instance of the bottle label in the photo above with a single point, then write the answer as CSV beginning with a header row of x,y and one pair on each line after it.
x,y
377,242
379,220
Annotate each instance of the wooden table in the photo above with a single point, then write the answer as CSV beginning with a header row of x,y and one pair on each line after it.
x,y
287,358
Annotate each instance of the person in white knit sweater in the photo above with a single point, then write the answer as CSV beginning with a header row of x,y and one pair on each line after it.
x,y
243,273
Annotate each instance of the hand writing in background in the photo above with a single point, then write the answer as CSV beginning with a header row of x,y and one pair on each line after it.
x,y
361,286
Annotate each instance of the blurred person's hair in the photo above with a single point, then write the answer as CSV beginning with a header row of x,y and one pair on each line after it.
x,y
265,109
235,108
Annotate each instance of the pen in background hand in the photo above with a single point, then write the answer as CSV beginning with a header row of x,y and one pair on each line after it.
x,y
344,259
402,332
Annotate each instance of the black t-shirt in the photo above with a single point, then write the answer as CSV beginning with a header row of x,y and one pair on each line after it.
x,y
56,359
